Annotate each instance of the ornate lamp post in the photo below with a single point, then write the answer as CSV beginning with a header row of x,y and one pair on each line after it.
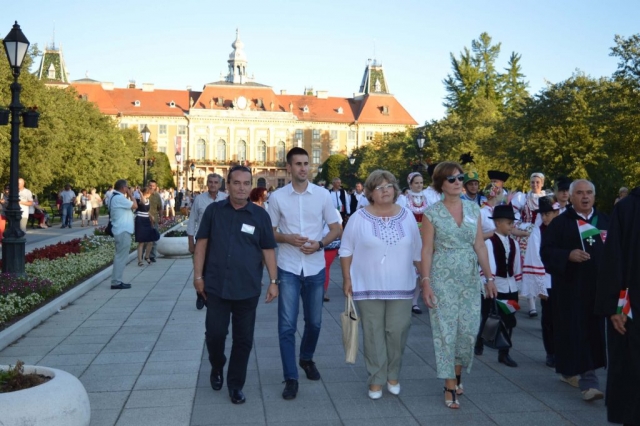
x,y
192,179
145,132
420,142
179,162
15,45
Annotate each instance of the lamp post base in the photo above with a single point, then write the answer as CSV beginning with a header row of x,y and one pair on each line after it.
x,y
13,258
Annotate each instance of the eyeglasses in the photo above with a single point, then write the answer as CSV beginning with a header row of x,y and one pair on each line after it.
x,y
452,179
383,187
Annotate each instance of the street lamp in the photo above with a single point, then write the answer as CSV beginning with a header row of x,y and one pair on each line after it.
x,y
16,46
192,179
179,162
352,159
420,142
145,132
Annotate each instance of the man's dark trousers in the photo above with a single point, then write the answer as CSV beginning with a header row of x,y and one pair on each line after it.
x,y
242,314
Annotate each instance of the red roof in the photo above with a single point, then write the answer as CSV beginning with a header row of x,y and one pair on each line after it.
x,y
384,109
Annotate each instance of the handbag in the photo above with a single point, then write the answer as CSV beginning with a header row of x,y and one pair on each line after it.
x,y
494,333
349,319
108,230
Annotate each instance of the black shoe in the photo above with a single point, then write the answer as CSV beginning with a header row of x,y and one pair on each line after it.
x,y
120,286
237,397
533,313
310,369
200,302
216,379
507,360
551,361
63,226
153,260
416,309
290,389
478,349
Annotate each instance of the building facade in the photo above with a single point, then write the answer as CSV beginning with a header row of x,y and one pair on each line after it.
x,y
239,121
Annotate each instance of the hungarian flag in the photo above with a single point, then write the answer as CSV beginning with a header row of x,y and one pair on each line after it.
x,y
624,305
508,306
587,230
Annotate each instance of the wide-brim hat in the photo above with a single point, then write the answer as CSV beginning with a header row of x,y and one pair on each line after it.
x,y
563,183
546,204
504,211
471,176
498,175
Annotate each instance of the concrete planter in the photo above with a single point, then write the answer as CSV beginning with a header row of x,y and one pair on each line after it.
x,y
173,246
62,401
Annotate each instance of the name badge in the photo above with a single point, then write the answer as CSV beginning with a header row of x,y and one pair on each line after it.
x,y
469,219
249,229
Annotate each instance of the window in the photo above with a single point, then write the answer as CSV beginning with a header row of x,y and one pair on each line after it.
x,y
201,148
369,136
124,126
182,130
51,72
281,151
316,155
162,149
141,126
352,135
262,151
299,135
316,134
162,129
221,151
334,135
280,182
242,150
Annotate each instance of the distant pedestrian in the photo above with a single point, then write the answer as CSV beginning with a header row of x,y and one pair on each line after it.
x,y
68,199
121,208
155,210
96,203
145,233
26,204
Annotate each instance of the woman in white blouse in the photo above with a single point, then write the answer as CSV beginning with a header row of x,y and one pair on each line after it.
x,y
379,248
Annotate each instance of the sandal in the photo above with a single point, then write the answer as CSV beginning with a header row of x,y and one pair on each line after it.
x,y
459,387
148,261
140,263
453,404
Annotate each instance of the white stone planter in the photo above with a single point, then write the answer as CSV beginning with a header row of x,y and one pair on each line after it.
x,y
62,401
173,246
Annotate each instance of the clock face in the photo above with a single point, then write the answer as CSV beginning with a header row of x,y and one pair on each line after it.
x,y
242,102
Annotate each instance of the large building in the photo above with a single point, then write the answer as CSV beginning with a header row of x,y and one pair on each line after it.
x,y
238,121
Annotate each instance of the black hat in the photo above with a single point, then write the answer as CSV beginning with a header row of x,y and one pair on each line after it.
x,y
504,211
431,168
563,183
498,175
546,204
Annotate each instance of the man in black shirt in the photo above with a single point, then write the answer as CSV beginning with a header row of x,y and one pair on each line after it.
x,y
228,275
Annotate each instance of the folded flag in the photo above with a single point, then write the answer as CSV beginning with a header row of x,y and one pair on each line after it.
x,y
624,304
508,306
587,230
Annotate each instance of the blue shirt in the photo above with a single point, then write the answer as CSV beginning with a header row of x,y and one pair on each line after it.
x,y
121,213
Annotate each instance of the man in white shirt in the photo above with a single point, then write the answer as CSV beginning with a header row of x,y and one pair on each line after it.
x,y
201,203
26,204
298,211
122,206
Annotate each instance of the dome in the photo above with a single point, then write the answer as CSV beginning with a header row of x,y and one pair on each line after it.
x,y
238,53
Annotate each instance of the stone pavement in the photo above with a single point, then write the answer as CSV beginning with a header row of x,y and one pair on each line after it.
x,y
140,354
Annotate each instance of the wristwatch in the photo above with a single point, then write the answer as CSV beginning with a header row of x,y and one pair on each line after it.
x,y
276,282
320,245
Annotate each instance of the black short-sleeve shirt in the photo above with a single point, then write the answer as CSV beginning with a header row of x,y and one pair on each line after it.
x,y
236,237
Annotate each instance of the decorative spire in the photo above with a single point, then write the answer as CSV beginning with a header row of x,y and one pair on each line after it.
x,y
238,62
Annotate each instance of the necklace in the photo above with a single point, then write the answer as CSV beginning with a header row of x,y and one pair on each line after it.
x,y
417,202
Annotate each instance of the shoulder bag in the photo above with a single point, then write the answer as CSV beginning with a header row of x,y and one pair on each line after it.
x,y
350,320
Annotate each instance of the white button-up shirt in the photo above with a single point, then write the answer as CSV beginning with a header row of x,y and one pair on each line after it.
x,y
200,204
509,284
303,214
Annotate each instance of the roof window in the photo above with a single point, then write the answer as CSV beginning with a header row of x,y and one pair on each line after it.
x,y
136,103
340,110
305,108
172,104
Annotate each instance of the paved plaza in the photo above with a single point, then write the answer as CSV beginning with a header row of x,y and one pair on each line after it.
x,y
140,354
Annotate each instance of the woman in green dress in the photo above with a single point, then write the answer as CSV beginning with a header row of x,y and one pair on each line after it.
x,y
452,247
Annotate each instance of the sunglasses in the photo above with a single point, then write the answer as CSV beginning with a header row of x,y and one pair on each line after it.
x,y
452,179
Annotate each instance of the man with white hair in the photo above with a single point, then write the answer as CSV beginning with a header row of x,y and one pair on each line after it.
x,y
571,250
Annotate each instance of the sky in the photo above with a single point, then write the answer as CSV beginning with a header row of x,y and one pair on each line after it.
x,y
293,44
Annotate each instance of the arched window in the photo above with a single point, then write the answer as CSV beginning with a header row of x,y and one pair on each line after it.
x,y
201,148
221,150
281,151
262,151
242,150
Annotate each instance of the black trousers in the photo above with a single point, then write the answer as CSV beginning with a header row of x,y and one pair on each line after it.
x,y
242,314
546,320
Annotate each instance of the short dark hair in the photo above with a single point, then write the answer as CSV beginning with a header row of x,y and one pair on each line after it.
x,y
236,169
153,181
442,171
120,183
296,150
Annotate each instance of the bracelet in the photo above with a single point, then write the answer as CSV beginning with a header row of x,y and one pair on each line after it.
x,y
425,278
198,278
491,279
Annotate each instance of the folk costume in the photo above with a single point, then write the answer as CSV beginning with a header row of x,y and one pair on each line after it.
x,y
479,199
621,271
578,331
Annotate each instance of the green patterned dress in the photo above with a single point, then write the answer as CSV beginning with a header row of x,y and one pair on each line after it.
x,y
456,283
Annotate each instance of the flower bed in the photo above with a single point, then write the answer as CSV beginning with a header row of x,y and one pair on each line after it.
x,y
165,223
50,273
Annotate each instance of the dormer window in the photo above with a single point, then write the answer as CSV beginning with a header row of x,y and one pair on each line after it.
x,y
378,86
340,110
136,103
305,109
172,104
385,110
51,72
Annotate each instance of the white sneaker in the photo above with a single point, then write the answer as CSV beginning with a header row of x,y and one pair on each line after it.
x,y
572,381
393,389
592,395
375,394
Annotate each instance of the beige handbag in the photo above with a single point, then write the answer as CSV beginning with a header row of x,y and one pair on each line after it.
x,y
350,320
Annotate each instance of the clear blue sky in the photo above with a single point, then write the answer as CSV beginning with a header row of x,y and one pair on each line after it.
x,y
291,44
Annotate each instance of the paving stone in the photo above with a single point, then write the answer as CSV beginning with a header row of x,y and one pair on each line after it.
x,y
161,398
86,348
178,355
121,357
108,383
124,369
535,418
107,400
166,381
156,416
104,417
